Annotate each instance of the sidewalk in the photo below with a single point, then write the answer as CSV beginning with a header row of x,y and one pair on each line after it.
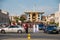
x,y
27,39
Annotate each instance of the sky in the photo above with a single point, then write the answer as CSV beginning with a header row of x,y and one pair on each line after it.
x,y
18,7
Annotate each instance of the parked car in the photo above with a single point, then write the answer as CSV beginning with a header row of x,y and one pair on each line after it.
x,y
41,26
51,29
13,28
58,28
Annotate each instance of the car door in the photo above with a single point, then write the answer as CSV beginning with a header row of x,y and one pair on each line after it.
x,y
8,29
15,29
11,28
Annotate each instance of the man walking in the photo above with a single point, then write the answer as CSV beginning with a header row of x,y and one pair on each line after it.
x,y
26,27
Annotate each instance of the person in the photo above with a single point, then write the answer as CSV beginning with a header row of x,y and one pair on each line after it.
x,y
26,27
34,28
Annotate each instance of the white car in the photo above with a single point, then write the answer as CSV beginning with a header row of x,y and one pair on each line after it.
x,y
13,28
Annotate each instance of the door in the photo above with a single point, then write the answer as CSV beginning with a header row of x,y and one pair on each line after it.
x,y
9,29
15,28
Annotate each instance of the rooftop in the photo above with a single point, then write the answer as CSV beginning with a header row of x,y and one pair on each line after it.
x,y
4,12
35,12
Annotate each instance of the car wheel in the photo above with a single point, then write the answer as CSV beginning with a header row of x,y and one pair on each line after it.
x,y
59,31
19,31
3,31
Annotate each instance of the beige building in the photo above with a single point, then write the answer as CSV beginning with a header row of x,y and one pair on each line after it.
x,y
44,18
34,16
57,16
4,17
50,18
12,18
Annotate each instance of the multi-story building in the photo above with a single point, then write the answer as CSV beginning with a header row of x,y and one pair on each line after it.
x,y
34,16
57,16
44,18
4,17
50,18
12,18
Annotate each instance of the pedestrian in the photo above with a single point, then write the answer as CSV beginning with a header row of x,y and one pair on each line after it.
x,y
26,27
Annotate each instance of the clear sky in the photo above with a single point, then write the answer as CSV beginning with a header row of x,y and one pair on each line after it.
x,y
18,7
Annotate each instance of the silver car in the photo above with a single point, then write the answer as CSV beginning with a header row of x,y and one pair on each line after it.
x,y
12,28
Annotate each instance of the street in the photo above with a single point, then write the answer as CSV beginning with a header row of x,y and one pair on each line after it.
x,y
34,36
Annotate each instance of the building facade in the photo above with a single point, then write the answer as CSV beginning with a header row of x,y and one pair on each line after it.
x,y
34,16
4,17
57,16
50,18
44,18
12,18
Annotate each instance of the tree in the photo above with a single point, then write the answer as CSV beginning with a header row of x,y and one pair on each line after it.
x,y
52,23
57,24
23,18
16,18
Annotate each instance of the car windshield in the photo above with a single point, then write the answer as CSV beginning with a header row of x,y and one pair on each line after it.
x,y
40,25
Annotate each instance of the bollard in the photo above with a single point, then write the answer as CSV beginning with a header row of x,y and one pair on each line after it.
x,y
29,37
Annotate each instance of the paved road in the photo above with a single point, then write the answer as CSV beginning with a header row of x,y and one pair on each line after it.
x,y
34,36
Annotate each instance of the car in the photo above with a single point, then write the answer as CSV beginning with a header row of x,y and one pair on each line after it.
x,y
50,29
12,28
58,28
41,26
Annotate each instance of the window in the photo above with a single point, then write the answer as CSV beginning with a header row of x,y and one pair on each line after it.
x,y
38,18
33,14
29,18
13,27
